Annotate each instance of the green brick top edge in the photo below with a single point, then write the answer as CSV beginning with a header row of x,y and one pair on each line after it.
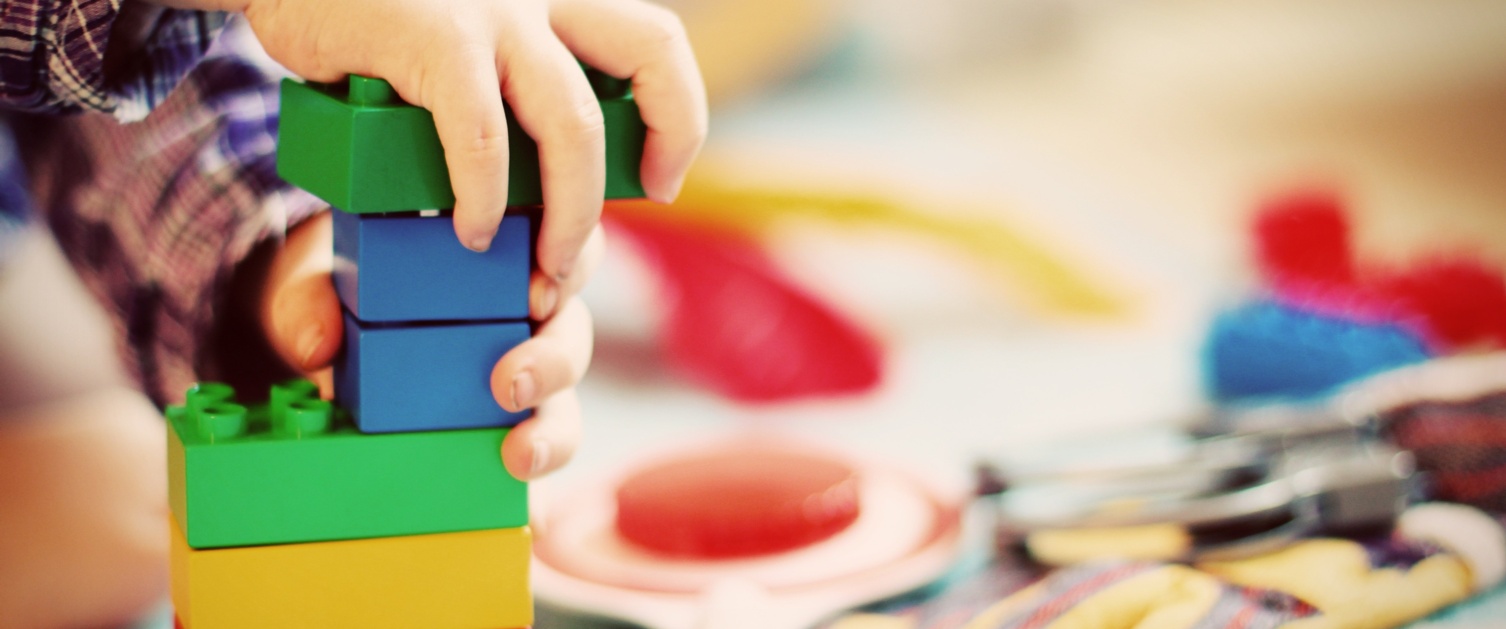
x,y
358,91
375,92
360,148
210,415
371,92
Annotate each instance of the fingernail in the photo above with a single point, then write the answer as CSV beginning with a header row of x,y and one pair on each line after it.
x,y
540,458
308,343
325,378
565,268
480,245
549,298
672,193
523,389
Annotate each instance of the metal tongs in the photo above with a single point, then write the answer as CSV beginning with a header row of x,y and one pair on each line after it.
x,y
1246,482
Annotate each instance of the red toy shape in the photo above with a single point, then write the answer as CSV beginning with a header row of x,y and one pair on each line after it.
x,y
736,325
1302,238
737,501
1462,300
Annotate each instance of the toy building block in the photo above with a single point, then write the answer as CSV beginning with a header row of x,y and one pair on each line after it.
x,y
625,133
412,377
362,149
404,267
1269,350
447,580
293,471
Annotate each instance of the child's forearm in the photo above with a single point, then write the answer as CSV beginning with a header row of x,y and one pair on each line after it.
x,y
82,486
83,511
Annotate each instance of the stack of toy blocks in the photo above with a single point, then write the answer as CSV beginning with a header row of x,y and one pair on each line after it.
x,y
392,507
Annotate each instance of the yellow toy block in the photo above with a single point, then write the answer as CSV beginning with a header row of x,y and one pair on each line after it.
x,y
474,579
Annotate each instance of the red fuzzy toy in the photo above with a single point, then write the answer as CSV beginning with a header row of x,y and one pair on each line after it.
x,y
1463,301
1303,239
1303,250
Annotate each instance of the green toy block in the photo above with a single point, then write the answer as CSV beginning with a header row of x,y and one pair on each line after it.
x,y
295,470
363,150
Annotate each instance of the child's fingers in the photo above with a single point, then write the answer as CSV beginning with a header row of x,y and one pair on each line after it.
x,y
300,311
306,324
552,361
324,379
545,442
545,293
463,91
555,105
648,43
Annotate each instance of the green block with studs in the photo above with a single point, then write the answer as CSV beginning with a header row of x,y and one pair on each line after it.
x,y
361,149
296,470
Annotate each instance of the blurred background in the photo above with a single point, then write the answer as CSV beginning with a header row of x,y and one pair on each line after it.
x,y
1017,219
1121,148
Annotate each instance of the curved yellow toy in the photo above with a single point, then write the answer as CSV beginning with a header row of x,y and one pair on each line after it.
x,y
1046,280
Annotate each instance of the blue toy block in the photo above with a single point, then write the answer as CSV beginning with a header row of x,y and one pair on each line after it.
x,y
406,267
414,377
1265,349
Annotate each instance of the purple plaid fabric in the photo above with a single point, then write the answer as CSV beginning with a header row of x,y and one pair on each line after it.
x,y
52,55
15,203
167,182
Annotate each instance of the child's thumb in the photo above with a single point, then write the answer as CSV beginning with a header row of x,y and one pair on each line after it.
x,y
306,326
300,309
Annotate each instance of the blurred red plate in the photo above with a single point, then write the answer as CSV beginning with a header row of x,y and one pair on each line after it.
x,y
906,534
738,501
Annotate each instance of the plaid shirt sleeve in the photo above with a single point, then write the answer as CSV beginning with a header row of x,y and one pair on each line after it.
x,y
159,215
53,56
15,203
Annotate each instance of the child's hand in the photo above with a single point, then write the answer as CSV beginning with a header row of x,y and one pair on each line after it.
x,y
300,315
453,57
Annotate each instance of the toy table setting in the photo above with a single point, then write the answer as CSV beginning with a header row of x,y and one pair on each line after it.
x,y
999,345
1032,267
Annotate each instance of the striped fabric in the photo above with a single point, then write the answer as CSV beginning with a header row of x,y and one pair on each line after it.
x,y
52,56
1252,608
1462,445
1235,607
158,214
15,203
1066,588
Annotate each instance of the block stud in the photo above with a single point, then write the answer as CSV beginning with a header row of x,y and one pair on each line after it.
x,y
302,418
285,394
220,421
206,394
370,92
